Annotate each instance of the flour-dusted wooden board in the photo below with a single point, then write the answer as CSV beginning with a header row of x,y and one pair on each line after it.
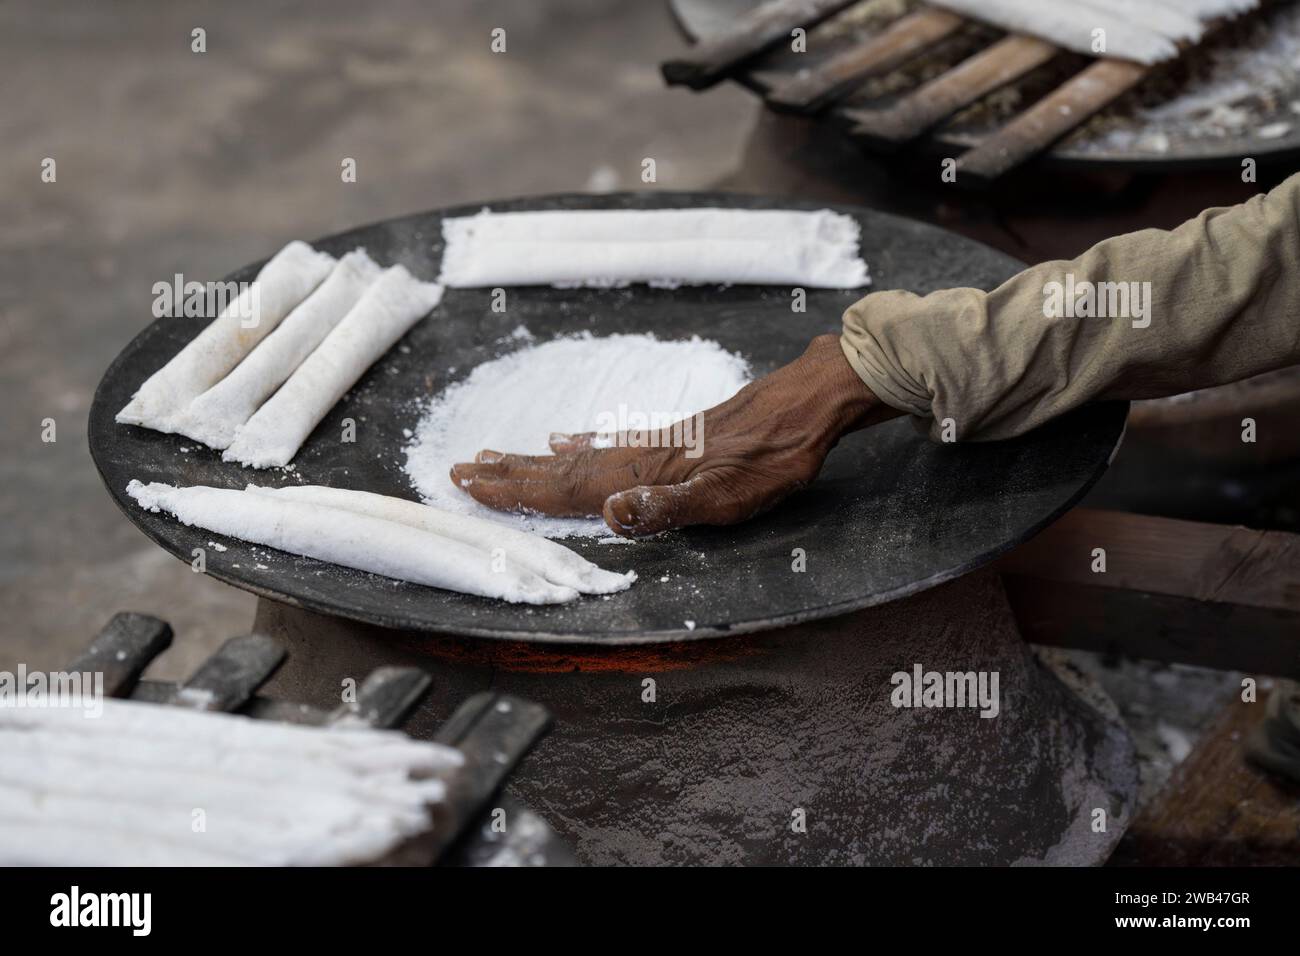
x,y
703,19
892,514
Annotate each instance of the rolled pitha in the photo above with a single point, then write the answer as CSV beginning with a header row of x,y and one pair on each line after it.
x,y
615,247
545,558
387,310
350,539
287,279
122,788
213,416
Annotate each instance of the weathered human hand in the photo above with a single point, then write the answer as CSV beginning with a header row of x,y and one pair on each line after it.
x,y
725,465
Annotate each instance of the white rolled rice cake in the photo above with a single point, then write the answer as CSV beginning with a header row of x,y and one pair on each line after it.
x,y
213,416
657,246
122,789
285,280
533,552
385,312
352,539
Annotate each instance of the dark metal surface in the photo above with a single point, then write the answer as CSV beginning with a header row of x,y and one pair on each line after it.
x,y
893,513
703,18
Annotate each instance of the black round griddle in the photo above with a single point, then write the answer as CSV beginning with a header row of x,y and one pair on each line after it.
x,y
702,18
892,514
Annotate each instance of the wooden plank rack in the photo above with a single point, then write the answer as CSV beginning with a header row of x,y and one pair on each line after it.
x,y
835,81
493,731
1176,591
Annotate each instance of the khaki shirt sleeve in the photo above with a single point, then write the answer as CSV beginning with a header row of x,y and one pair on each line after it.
x,y
1211,302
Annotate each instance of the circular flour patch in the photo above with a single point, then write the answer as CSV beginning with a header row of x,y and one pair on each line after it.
x,y
573,384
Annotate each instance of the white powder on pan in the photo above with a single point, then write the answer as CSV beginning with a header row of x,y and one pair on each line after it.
x,y
574,384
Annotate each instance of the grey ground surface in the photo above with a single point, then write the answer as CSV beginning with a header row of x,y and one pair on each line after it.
x,y
171,161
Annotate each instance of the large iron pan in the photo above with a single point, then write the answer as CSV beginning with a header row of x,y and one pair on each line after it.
x,y
892,514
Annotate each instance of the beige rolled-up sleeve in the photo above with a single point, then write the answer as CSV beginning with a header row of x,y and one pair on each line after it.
x,y
1211,302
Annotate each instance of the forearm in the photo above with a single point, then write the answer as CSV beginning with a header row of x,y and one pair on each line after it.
x,y
1216,300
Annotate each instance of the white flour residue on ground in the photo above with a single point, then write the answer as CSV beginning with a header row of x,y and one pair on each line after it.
x,y
574,384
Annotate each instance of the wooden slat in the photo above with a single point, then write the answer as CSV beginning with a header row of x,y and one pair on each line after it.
x,y
1070,104
1218,809
122,651
711,60
494,732
384,698
1178,591
951,91
1156,627
228,679
527,841
810,90
1192,559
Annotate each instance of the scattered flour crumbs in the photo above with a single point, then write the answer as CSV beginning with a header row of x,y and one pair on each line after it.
x,y
572,384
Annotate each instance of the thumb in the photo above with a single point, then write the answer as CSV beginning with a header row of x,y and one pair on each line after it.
x,y
713,497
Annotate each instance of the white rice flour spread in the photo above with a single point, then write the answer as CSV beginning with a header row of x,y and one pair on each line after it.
x,y
575,384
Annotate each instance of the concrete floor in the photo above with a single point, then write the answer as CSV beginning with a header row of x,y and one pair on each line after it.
x,y
172,161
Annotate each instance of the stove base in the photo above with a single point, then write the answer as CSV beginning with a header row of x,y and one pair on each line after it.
x,y
781,747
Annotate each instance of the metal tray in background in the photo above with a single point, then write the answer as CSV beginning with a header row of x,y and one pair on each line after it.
x,y
892,513
703,18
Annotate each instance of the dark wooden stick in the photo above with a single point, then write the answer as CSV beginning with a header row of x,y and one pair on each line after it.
x,y
810,90
1178,591
123,649
951,91
494,732
711,60
228,679
527,841
384,697
1069,105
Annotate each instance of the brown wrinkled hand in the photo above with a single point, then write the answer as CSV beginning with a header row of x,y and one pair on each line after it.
x,y
743,456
